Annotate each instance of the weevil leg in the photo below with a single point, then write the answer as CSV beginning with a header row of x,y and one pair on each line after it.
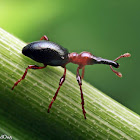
x,y
83,71
29,67
62,79
79,80
44,37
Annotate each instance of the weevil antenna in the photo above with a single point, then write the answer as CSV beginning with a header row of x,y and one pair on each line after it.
x,y
121,56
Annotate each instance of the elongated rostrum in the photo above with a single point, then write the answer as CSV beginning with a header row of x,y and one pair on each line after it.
x,y
50,53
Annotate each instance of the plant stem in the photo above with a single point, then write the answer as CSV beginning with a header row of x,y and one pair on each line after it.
x,y
23,111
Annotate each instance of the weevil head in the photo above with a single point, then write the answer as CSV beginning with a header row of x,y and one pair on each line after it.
x,y
99,60
86,58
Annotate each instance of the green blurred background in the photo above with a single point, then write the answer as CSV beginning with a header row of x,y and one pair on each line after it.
x,y
106,28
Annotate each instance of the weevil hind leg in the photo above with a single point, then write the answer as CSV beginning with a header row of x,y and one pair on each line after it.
x,y
62,79
25,73
79,80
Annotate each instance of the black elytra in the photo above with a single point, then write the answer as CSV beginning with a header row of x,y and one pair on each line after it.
x,y
46,52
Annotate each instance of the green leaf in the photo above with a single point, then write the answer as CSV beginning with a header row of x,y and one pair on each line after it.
x,y
23,111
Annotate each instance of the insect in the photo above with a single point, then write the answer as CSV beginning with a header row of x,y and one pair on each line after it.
x,y
50,53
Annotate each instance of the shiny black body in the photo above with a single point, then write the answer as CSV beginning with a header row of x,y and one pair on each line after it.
x,y
46,52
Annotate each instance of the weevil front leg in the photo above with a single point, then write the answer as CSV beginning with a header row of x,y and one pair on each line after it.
x,y
62,79
79,80
29,67
44,37
83,71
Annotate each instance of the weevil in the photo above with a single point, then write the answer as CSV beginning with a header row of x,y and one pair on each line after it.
x,y
50,53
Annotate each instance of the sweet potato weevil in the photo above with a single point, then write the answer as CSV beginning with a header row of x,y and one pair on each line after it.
x,y
50,53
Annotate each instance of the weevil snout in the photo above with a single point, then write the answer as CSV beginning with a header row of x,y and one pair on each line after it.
x,y
116,65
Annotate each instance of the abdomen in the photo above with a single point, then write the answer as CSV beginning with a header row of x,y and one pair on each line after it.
x,y
46,52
